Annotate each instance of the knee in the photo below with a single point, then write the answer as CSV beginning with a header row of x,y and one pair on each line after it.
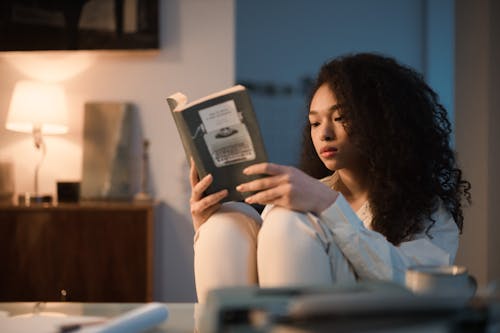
x,y
285,230
224,249
280,225
289,250
232,222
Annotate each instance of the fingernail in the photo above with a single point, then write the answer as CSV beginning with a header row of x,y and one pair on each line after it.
x,y
245,171
249,200
239,187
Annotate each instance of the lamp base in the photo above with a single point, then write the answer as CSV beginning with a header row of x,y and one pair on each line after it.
x,y
142,197
28,199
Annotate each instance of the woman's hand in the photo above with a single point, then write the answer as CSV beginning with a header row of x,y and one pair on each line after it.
x,y
202,207
287,187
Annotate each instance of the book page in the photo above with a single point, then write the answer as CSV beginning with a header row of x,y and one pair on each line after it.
x,y
226,136
214,95
219,116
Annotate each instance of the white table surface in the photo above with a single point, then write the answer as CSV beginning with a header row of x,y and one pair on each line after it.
x,y
180,317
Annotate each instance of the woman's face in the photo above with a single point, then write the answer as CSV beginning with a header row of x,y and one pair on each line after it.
x,y
328,133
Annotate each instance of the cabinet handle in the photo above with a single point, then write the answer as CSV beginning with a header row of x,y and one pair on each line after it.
x,y
64,295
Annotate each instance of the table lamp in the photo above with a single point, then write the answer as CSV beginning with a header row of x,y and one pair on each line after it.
x,y
38,108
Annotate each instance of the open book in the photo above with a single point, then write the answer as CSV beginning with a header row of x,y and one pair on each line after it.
x,y
221,133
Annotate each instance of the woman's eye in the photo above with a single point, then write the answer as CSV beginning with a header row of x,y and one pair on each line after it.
x,y
314,124
338,119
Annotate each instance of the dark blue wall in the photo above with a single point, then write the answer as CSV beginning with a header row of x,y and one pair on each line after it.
x,y
280,42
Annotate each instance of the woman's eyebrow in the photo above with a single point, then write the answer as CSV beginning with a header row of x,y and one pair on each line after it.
x,y
334,107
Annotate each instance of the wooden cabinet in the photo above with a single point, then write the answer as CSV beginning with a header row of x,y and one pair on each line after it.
x,y
77,252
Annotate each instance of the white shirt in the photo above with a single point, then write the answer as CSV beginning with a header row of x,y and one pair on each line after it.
x,y
373,257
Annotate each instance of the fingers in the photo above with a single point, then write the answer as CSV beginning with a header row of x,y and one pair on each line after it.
x,y
278,174
202,209
208,204
262,183
198,219
268,189
265,168
270,196
286,186
193,174
199,187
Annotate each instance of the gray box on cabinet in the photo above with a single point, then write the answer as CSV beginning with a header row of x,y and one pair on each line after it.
x,y
111,152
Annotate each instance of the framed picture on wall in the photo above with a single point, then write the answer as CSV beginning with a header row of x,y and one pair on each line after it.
x,y
30,25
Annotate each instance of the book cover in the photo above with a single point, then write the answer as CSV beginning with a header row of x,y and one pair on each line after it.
x,y
221,132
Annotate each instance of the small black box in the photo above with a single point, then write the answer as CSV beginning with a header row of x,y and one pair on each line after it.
x,y
68,191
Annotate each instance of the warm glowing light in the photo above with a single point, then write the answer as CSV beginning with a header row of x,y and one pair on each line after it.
x,y
50,66
37,104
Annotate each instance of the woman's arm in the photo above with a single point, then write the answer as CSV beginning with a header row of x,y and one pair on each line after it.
x,y
373,257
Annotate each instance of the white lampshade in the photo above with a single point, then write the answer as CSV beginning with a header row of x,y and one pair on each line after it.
x,y
38,104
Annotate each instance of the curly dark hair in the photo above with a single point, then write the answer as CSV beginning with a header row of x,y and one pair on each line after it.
x,y
402,132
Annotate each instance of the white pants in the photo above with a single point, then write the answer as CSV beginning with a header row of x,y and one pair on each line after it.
x,y
236,247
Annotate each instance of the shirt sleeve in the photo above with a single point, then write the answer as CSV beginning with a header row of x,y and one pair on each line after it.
x,y
374,257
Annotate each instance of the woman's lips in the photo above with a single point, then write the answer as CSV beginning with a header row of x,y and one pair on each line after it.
x,y
328,152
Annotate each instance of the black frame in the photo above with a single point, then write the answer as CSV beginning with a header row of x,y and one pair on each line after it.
x,y
30,25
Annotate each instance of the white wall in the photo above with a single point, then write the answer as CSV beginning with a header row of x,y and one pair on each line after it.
x,y
196,57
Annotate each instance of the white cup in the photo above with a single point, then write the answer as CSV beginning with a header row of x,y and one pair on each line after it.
x,y
450,281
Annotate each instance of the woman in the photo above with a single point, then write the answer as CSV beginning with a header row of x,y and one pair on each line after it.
x,y
390,195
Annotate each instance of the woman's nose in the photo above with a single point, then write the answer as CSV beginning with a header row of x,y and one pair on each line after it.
x,y
327,134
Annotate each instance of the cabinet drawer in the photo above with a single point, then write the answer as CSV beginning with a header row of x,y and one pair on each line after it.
x,y
86,254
